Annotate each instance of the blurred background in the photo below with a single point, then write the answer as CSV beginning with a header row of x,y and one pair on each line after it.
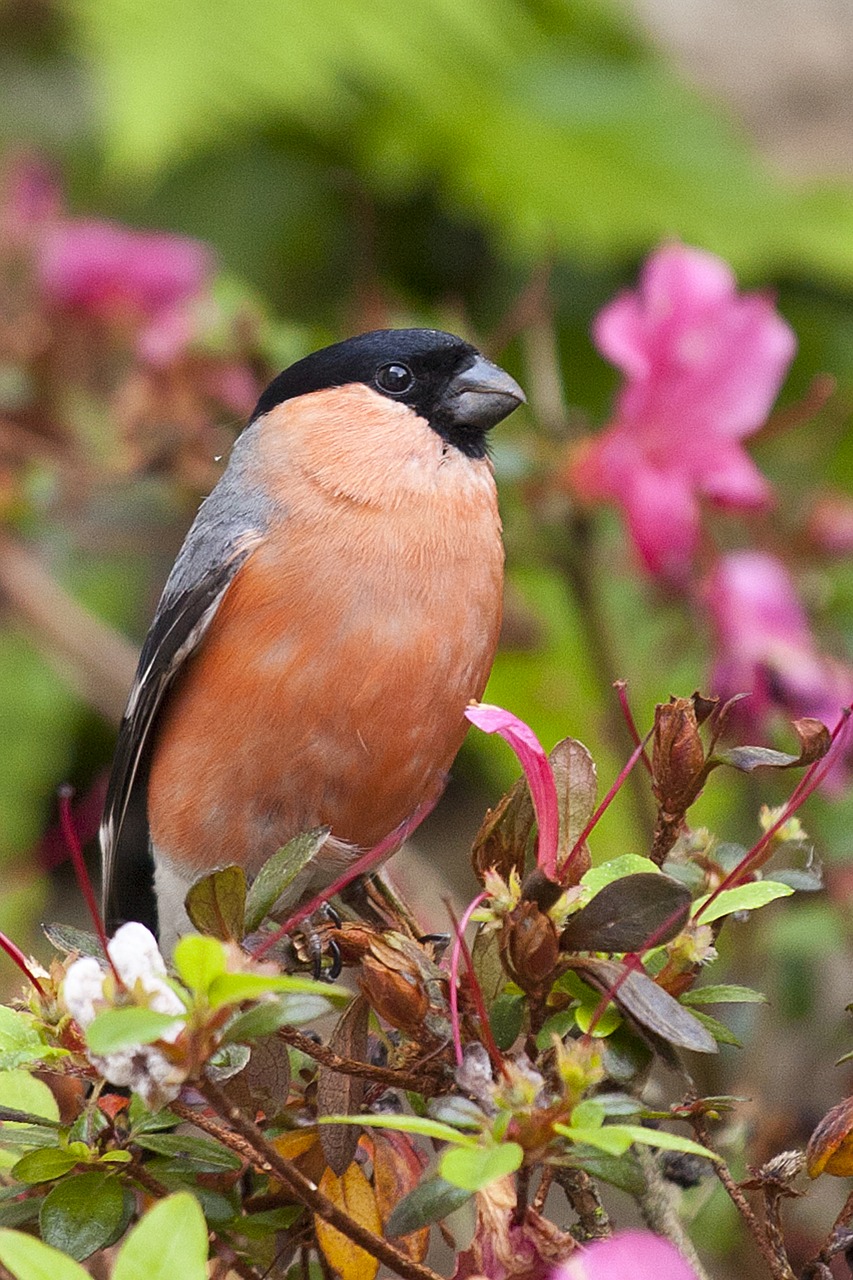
x,y
501,169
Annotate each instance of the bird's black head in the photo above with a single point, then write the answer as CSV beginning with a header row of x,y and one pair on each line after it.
x,y
445,380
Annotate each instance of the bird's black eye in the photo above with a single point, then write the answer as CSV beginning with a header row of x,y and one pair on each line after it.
x,y
397,379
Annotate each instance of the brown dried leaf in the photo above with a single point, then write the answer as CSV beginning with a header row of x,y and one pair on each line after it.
x,y
267,1075
354,1194
342,1095
397,1169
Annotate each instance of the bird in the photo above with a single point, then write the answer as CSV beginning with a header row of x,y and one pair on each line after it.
x,y
334,608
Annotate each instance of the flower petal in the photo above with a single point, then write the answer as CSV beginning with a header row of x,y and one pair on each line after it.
x,y
637,1254
534,762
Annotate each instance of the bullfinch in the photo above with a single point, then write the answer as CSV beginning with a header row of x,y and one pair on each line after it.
x,y
334,608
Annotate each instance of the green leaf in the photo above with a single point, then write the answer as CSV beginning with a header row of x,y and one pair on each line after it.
x,y
506,1018
144,1121
200,1155
608,1138
67,938
746,897
559,1024
18,1032
263,1019
610,1019
169,1242
117,1029
421,1125
724,993
45,1165
29,1259
14,1213
628,864
588,1115
234,988
216,904
473,1168
279,872
665,1141
622,1171
199,960
430,1201
721,1033
23,1092
85,1213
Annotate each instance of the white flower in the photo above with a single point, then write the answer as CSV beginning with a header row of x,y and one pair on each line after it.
x,y
89,989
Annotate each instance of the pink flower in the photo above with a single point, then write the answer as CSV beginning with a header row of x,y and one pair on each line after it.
x,y
30,199
637,1254
765,646
702,367
101,267
537,770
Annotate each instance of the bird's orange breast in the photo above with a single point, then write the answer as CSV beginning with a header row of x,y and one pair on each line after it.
x,y
331,686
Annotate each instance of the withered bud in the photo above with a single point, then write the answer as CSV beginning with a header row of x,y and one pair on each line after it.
x,y
537,888
678,755
530,948
398,995
501,842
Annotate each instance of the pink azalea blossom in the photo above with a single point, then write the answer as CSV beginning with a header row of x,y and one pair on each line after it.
x,y
101,267
765,646
534,762
702,366
637,1254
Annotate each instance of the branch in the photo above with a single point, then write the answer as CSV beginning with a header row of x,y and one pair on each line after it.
x,y
86,651
303,1189
388,1076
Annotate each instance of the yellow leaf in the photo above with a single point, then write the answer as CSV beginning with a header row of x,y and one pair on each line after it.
x,y
354,1194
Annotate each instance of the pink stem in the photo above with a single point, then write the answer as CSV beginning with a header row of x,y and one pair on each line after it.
x,y
606,802
454,973
366,862
16,955
621,687
809,783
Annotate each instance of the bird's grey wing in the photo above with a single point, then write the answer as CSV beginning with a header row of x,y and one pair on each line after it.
x,y
218,544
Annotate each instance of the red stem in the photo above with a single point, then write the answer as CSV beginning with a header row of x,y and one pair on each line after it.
x,y
606,802
809,783
366,862
621,687
17,956
69,831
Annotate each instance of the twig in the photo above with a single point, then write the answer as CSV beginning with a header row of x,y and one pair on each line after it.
x,y
582,1194
303,1189
391,1077
739,1200
99,662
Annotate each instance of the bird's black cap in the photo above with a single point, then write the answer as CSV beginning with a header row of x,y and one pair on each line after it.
x,y
442,378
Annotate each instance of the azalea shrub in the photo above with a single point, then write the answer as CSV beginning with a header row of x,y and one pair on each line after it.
x,y
226,1109
506,1080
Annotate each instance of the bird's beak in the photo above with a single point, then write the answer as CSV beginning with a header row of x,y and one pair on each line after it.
x,y
482,395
